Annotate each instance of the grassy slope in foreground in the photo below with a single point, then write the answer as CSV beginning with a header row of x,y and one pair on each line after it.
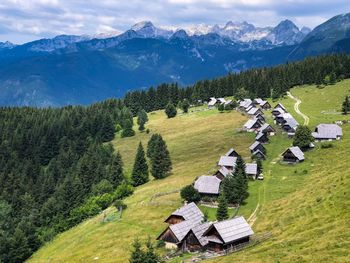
x,y
312,223
195,142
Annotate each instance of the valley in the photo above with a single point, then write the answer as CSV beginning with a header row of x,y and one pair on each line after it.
x,y
303,206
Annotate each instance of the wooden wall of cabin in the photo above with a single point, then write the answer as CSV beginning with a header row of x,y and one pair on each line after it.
x,y
168,236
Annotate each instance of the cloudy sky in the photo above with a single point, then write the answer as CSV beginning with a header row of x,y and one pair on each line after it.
x,y
26,20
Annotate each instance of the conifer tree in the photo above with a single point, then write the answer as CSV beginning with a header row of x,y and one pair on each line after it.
x,y
151,145
137,254
160,159
127,129
139,174
115,170
222,212
185,105
346,105
235,186
170,110
259,166
142,118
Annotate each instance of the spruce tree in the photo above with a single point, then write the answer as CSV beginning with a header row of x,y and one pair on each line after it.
x,y
222,212
170,110
127,129
235,186
142,118
151,145
259,166
115,170
137,254
346,105
160,159
185,105
139,174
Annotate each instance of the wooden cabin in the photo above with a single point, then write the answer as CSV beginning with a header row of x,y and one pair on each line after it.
x,y
268,129
184,213
265,105
222,173
208,185
260,117
228,233
227,161
328,132
232,152
262,137
293,155
257,146
252,125
259,155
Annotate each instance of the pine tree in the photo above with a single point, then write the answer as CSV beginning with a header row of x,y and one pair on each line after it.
x,y
115,170
303,137
137,255
235,186
346,105
221,107
190,194
151,145
185,105
259,166
170,110
222,212
160,159
150,255
142,118
127,129
139,174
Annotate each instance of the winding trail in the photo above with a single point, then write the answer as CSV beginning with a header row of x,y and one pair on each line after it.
x,y
296,108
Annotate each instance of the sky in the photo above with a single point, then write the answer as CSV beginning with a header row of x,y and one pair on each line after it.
x,y
26,20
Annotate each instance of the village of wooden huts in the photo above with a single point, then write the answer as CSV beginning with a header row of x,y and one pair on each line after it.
x,y
213,102
188,231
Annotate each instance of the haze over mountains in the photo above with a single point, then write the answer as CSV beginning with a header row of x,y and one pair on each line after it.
x,y
82,69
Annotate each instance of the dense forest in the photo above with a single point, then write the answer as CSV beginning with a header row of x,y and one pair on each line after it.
x,y
56,169
264,82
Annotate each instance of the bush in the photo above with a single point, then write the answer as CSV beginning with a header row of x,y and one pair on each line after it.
x,y
120,204
104,186
147,131
190,194
160,244
170,110
327,145
104,200
122,191
221,107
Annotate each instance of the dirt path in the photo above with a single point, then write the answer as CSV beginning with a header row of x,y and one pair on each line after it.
x,y
296,108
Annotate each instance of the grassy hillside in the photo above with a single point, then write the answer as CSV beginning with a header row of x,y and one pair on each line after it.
x,y
303,206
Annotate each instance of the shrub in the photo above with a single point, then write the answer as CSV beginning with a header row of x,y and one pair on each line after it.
x,y
120,204
327,145
160,244
122,191
170,110
104,200
190,194
104,186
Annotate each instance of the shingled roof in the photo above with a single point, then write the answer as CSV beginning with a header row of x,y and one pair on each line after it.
x,y
279,105
207,184
266,126
250,123
327,131
253,111
254,145
232,152
224,171
296,152
231,229
189,212
199,230
227,161
180,230
251,168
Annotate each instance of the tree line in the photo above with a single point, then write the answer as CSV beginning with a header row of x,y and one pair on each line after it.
x,y
263,82
56,170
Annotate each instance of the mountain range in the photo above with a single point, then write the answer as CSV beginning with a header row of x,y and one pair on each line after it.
x,y
71,69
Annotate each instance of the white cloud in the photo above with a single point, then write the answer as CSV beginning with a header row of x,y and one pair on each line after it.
x,y
45,18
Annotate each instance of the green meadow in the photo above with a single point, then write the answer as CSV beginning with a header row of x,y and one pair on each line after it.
x,y
305,206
